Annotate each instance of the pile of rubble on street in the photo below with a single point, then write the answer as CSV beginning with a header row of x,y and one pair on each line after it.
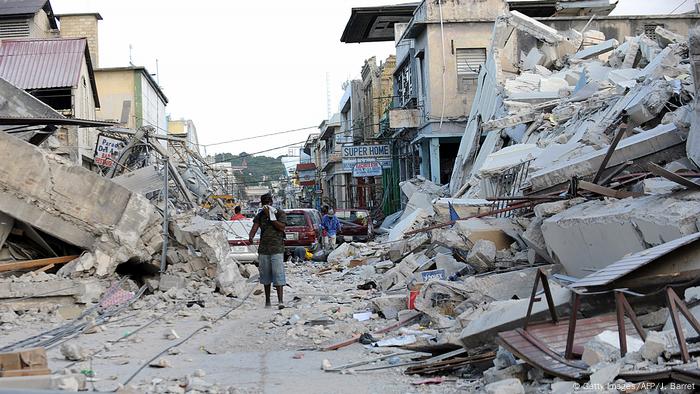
x,y
564,254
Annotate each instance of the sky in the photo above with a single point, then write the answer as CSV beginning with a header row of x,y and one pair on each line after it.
x,y
242,69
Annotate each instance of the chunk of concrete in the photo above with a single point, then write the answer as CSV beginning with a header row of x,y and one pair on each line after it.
x,y
666,37
168,282
596,50
465,207
449,264
74,204
534,57
534,239
482,255
508,157
419,200
482,325
662,143
592,235
405,224
605,374
390,305
229,280
654,345
508,386
517,371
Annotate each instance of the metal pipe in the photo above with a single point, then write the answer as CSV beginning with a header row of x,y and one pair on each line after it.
x,y
165,216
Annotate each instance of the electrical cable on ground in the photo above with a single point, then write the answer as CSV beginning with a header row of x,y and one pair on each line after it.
x,y
187,338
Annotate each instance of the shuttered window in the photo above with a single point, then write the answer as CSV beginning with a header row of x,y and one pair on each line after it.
x,y
469,62
14,28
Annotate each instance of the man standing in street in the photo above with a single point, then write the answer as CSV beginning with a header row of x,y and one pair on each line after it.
x,y
331,225
271,222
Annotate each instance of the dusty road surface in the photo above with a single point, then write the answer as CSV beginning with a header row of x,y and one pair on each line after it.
x,y
251,350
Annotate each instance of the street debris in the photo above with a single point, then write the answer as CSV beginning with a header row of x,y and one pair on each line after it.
x,y
564,250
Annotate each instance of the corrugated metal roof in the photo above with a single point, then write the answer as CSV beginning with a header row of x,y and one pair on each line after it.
x,y
632,262
21,7
42,64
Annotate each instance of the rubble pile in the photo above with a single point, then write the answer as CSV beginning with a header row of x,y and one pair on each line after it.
x,y
575,158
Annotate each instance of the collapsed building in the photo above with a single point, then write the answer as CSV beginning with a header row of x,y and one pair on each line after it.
x,y
574,194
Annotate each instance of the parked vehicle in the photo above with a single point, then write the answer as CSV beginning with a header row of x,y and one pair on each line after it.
x,y
237,233
356,225
303,229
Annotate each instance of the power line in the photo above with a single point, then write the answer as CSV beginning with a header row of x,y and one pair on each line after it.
x,y
260,136
257,153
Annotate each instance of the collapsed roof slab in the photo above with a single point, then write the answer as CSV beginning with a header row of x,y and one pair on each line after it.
x,y
664,142
595,234
74,204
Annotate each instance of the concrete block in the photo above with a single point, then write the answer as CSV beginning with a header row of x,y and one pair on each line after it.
x,y
405,224
390,305
508,386
534,57
592,235
481,326
168,282
482,255
595,50
517,371
654,345
663,141
605,375
465,207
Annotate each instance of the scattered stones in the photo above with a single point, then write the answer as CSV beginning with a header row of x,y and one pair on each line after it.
x,y
73,352
508,386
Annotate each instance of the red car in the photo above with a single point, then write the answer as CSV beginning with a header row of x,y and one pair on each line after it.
x,y
303,229
356,225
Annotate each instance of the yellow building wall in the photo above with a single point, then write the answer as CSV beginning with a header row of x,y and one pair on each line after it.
x,y
115,87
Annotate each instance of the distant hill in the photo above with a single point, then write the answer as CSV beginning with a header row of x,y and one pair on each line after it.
x,y
258,167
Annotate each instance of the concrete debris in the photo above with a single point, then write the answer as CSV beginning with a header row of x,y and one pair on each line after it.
x,y
507,386
482,255
73,352
553,178
594,234
604,374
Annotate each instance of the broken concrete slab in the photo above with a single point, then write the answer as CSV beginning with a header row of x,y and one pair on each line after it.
x,y
83,291
534,239
390,305
482,255
592,235
508,157
507,386
464,207
663,142
595,50
405,224
482,325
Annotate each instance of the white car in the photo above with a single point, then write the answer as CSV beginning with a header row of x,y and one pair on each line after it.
x,y
237,233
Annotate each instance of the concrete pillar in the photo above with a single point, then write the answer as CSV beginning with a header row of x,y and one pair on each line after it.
x,y
435,160
425,159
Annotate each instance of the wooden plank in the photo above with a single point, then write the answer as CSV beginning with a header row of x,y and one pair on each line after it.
x,y
29,264
44,268
606,191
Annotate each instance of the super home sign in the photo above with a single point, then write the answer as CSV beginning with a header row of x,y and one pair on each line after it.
x,y
365,151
